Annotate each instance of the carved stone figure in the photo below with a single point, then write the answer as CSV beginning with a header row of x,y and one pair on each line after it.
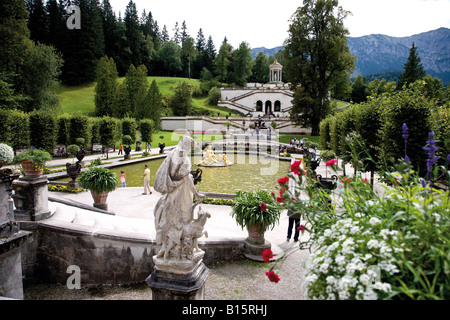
x,y
176,230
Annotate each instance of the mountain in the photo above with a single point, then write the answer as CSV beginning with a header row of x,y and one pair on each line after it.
x,y
379,53
267,52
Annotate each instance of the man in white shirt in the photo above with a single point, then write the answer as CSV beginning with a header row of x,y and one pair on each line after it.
x,y
146,176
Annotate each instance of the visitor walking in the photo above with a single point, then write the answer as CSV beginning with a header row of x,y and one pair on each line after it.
x,y
294,222
120,149
123,182
103,151
146,176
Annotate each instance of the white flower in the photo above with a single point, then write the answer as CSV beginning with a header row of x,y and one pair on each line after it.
x,y
340,260
364,279
385,287
327,233
367,256
374,221
373,244
331,280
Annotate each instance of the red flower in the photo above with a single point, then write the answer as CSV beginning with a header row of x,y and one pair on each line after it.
x,y
365,180
272,194
267,255
280,199
273,277
282,190
263,206
295,167
346,179
302,229
283,180
331,162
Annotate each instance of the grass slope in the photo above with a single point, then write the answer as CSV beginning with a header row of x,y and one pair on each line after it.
x,y
80,99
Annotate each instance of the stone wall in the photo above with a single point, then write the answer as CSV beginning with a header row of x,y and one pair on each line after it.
x,y
103,259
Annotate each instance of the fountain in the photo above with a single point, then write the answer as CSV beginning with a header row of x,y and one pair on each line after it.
x,y
211,160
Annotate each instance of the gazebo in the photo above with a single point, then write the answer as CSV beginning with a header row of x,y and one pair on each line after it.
x,y
276,72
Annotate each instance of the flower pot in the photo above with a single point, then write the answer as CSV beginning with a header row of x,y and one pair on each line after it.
x,y
256,234
100,199
255,244
32,170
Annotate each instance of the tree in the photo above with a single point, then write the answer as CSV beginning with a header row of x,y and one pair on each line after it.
x,y
146,128
105,90
222,61
79,127
38,75
129,127
19,127
181,101
165,35
315,51
14,35
121,106
260,70
359,89
83,48
37,22
210,54
413,69
137,86
184,32
243,63
108,131
152,106
188,55
176,34
170,56
133,33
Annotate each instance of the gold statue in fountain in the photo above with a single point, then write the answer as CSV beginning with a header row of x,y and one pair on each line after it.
x,y
211,160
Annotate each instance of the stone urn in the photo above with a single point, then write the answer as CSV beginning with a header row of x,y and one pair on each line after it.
x,y
255,243
127,151
161,148
31,170
80,155
100,199
327,183
73,170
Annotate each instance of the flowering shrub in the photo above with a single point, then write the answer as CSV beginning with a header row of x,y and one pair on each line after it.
x,y
6,154
376,245
348,258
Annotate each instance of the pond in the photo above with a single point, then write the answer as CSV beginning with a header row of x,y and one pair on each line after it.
x,y
249,173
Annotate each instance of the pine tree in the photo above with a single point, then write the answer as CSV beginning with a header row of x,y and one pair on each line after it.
x,y
184,32
82,48
210,54
137,86
164,35
181,101
105,90
37,22
176,34
413,69
133,33
222,61
152,105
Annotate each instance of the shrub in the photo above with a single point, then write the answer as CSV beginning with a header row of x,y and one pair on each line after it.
x,y
6,154
43,130
213,96
129,128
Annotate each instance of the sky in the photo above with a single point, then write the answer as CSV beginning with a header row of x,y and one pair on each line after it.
x,y
265,23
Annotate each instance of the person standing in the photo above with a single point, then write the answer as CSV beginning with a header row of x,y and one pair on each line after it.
x,y
294,222
120,149
123,183
146,176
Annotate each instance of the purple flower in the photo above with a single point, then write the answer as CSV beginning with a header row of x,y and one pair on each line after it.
x,y
431,149
405,136
405,132
448,159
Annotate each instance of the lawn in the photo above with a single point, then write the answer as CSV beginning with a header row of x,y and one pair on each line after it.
x,y
80,99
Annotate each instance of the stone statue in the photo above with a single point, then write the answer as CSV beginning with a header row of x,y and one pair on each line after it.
x,y
176,229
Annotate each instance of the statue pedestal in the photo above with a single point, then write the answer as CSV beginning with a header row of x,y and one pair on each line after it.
x,y
31,199
178,279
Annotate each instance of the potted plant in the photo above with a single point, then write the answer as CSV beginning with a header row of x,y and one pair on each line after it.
x,y
100,181
6,154
33,161
257,211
